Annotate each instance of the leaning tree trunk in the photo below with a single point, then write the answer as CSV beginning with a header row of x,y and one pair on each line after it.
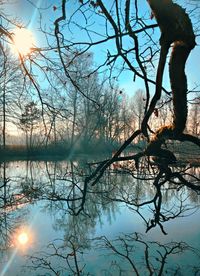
x,y
176,30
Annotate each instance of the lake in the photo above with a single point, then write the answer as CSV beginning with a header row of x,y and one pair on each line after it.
x,y
53,224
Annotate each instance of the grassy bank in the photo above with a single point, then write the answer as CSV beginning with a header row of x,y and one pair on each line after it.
x,y
185,152
52,152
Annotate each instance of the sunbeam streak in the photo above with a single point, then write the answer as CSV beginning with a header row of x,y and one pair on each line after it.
x,y
9,262
34,14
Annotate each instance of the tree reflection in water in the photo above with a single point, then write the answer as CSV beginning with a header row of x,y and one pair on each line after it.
x,y
77,207
11,202
129,254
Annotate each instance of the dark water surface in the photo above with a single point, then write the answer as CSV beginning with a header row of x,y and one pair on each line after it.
x,y
51,224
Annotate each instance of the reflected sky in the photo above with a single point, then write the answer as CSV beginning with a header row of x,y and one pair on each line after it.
x,y
48,220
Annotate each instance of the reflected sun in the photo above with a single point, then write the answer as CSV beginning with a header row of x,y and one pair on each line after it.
x,y
23,238
23,41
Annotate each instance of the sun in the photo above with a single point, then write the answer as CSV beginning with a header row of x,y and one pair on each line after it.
x,y
23,41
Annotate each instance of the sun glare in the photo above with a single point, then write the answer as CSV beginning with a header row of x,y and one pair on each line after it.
x,y
23,41
23,238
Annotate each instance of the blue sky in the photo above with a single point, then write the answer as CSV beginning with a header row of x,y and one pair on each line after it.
x,y
30,17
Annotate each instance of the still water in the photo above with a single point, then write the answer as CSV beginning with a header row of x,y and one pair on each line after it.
x,y
52,224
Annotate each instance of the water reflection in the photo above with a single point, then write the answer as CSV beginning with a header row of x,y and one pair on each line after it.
x,y
11,201
77,211
128,254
